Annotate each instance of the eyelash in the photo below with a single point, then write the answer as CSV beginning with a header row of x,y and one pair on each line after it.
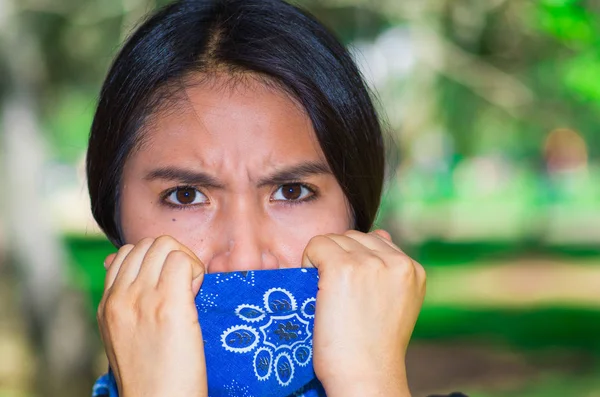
x,y
165,195
313,196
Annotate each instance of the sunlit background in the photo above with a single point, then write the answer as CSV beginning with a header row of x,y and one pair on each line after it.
x,y
493,107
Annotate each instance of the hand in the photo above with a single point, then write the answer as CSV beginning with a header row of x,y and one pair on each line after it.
x,y
370,295
148,320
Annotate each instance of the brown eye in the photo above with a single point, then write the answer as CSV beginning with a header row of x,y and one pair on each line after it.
x,y
292,192
186,196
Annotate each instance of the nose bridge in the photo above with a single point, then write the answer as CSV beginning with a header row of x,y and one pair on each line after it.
x,y
245,250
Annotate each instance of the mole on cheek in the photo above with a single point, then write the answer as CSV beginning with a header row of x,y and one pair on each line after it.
x,y
174,220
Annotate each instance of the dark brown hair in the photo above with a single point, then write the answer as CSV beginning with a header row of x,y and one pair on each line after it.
x,y
269,38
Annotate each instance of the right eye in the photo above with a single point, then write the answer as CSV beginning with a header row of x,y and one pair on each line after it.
x,y
186,196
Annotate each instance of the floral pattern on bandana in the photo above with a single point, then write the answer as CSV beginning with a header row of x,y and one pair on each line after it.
x,y
257,328
280,333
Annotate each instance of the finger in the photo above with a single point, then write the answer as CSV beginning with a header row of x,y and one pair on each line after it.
x,y
179,246
157,255
322,250
177,274
362,248
109,260
348,244
385,249
115,265
386,237
197,282
371,241
382,233
132,263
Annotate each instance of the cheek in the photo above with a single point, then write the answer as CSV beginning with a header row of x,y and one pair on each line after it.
x,y
294,234
192,230
144,218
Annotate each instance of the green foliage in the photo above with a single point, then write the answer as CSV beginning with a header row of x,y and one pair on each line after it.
x,y
581,75
575,24
568,20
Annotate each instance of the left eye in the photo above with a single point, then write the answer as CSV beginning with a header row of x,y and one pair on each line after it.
x,y
186,196
292,192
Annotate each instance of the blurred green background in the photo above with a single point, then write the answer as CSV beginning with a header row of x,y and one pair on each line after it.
x,y
493,110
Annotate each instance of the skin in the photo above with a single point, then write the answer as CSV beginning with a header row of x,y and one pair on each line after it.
x,y
245,138
232,148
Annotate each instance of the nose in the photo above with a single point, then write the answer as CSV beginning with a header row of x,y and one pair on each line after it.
x,y
243,242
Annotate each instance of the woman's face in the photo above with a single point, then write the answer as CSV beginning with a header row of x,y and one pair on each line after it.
x,y
237,175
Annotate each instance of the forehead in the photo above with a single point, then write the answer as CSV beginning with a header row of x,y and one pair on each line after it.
x,y
227,123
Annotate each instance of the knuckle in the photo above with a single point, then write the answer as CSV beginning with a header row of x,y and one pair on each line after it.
x,y
317,240
402,259
420,270
166,241
352,233
145,242
374,261
109,305
163,311
113,310
125,248
160,310
404,266
176,256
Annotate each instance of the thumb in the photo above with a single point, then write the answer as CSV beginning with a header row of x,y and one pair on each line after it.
x,y
198,272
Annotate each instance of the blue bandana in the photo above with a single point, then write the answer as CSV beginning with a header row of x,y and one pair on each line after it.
x,y
257,328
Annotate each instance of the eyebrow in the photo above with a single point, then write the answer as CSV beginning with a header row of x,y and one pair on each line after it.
x,y
294,173
184,176
192,177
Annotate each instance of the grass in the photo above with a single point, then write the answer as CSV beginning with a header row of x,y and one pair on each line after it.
x,y
550,385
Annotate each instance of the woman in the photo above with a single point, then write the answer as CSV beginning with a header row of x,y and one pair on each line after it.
x,y
236,135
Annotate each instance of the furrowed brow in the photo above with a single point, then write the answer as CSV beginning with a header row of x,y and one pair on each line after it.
x,y
184,176
294,173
